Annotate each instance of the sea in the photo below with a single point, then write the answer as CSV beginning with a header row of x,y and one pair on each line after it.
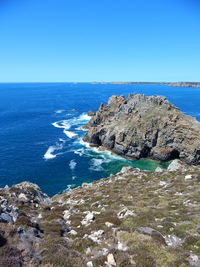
x,y
41,134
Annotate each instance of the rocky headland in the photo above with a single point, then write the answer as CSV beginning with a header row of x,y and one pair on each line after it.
x,y
134,218
173,84
145,126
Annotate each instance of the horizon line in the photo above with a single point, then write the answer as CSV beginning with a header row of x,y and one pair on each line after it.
x,y
96,82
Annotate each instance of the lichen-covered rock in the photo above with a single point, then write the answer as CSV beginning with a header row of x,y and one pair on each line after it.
x,y
145,126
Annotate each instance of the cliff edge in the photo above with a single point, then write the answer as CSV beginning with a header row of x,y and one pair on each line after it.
x,y
145,126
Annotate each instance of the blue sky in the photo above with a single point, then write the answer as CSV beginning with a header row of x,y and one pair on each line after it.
x,y
99,40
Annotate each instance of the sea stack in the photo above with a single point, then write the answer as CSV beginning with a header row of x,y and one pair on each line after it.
x,y
145,126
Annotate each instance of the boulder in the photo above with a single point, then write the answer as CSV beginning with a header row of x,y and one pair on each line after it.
x,y
176,165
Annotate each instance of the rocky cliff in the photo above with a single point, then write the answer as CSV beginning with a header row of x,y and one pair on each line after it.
x,y
133,218
145,126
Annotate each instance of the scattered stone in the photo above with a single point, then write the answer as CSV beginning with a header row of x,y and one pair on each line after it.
x,y
126,169
121,246
89,264
173,241
111,260
123,214
194,260
88,218
188,177
163,183
73,232
158,169
88,251
95,236
108,224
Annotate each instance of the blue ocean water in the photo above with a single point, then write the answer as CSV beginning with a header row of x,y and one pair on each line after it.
x,y
40,135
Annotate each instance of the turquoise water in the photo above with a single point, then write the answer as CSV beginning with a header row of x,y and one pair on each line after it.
x,y
40,135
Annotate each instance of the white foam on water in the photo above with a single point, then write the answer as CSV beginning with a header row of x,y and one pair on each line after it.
x,y
79,151
104,153
95,164
69,134
72,164
62,140
69,187
74,177
81,129
84,117
83,143
62,124
67,124
59,111
49,153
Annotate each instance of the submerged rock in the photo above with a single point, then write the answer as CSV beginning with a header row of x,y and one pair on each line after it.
x,y
145,126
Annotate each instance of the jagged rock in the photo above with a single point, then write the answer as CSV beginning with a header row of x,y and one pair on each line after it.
x,y
145,126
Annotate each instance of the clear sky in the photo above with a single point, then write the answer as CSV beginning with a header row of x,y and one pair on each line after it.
x,y
99,40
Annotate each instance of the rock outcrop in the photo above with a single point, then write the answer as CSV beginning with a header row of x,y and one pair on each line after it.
x,y
145,126
133,218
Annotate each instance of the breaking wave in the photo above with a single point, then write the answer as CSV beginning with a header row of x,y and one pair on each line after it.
x,y
69,134
49,153
59,111
72,164
96,165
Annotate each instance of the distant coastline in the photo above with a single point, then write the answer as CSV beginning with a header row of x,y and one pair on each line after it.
x,y
174,84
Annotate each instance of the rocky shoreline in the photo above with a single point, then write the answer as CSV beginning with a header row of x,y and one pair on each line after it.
x,y
133,218
145,126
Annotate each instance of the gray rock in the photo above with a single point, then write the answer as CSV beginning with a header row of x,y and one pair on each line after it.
x,y
176,165
158,169
153,233
145,126
4,217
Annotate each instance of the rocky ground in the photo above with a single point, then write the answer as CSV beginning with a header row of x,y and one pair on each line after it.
x,y
145,126
133,218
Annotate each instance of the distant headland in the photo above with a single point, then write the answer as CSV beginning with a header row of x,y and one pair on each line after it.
x,y
174,84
